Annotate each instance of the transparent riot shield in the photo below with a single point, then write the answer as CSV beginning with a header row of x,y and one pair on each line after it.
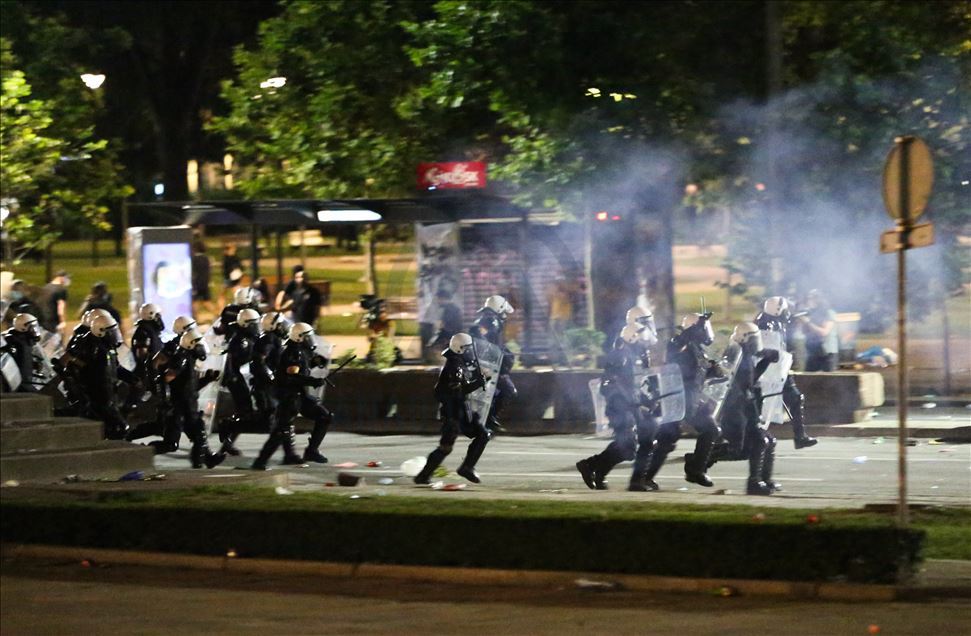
x,y
716,389
9,368
125,357
490,360
209,396
663,385
774,378
599,409
43,369
325,349
51,343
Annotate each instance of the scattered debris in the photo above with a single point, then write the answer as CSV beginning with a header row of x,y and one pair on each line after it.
x,y
725,590
453,487
441,471
231,553
71,479
720,491
385,481
758,517
873,628
812,519
347,479
878,440
11,483
911,442
860,459
346,465
135,475
374,464
929,405
413,466
683,489
329,484
589,584
280,490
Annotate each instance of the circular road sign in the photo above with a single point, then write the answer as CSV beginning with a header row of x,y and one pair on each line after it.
x,y
919,175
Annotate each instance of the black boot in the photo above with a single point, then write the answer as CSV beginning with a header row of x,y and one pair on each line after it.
x,y
472,455
658,457
694,471
768,461
312,453
755,485
289,441
228,432
269,447
587,472
435,459
638,475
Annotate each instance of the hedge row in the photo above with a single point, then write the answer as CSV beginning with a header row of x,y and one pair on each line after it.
x,y
667,547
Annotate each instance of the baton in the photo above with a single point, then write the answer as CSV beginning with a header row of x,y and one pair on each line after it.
x,y
341,366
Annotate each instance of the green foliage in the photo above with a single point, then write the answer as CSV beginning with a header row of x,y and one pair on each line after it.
x,y
62,174
583,346
383,353
562,535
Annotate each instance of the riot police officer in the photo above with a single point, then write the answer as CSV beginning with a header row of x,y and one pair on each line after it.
x,y
643,321
269,347
243,298
146,341
630,417
184,383
489,323
20,341
459,377
775,316
292,378
687,350
240,351
742,429
69,366
100,374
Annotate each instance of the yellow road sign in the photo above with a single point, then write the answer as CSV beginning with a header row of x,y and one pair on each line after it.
x,y
912,181
919,236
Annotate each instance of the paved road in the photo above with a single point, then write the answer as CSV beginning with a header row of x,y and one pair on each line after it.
x,y
838,472
39,598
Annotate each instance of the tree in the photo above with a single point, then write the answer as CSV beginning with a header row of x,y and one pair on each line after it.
x,y
63,176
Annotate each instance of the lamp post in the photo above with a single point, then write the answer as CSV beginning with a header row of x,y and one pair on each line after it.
x,y
93,81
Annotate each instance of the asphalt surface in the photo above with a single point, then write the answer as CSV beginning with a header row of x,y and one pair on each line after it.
x,y
66,598
836,473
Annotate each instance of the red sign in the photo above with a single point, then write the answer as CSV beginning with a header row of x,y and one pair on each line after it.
x,y
456,174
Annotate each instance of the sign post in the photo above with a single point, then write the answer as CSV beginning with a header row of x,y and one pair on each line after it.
x,y
908,176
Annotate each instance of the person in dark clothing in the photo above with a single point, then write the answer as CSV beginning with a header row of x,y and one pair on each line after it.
x,y
146,341
55,294
201,276
184,415
744,436
292,379
18,302
458,378
243,298
450,319
20,340
489,323
775,317
269,347
101,373
70,366
687,350
284,298
240,351
232,266
306,300
100,298
630,415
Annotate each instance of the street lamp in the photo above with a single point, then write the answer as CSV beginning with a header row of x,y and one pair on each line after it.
x,y
273,82
93,80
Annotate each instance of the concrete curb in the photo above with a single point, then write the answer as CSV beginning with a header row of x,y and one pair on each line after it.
x,y
484,576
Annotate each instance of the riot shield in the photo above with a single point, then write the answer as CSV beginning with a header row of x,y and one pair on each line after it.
x,y
490,361
209,396
51,343
599,409
771,382
716,389
325,349
43,369
665,386
125,357
9,368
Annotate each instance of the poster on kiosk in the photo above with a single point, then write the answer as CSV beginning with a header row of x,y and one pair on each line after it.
x,y
160,270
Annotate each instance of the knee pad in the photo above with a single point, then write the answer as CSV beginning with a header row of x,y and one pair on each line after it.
x,y
445,449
